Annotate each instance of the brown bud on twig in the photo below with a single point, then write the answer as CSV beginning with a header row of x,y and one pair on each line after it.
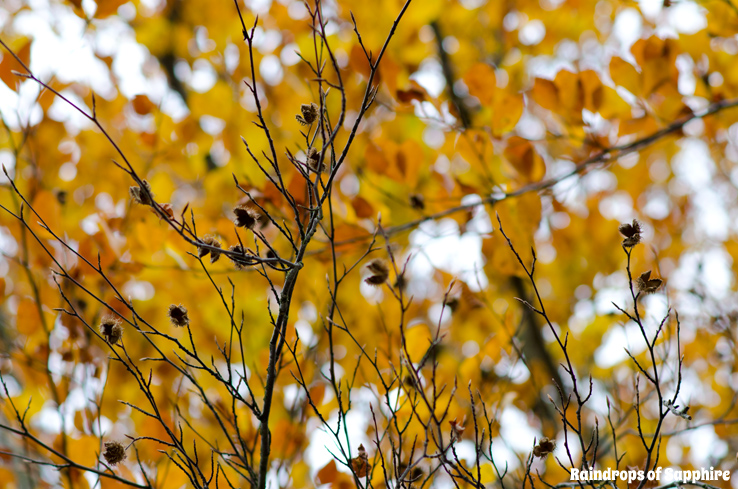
x,y
646,284
379,272
632,232
210,241
178,316
111,330
457,429
246,217
309,114
114,452
142,196
544,447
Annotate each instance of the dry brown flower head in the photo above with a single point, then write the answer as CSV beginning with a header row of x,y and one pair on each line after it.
x,y
178,315
245,260
417,202
309,114
314,163
114,452
632,232
202,251
544,447
111,330
141,196
246,217
379,272
360,464
646,284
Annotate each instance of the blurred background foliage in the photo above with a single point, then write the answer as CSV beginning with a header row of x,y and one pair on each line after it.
x,y
478,100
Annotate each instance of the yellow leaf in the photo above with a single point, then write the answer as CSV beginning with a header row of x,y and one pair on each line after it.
x,y
408,160
106,8
506,113
524,158
520,219
657,59
545,94
625,75
570,94
417,339
593,90
28,320
482,82
613,106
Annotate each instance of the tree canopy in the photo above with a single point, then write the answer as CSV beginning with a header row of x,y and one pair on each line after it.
x,y
341,243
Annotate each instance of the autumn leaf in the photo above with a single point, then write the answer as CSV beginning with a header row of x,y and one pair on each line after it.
x,y
105,8
10,64
481,81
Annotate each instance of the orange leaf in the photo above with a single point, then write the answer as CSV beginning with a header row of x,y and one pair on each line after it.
x,y
106,8
625,75
415,92
545,94
376,161
482,82
508,108
142,105
28,320
525,159
570,94
362,208
359,63
327,474
593,90
10,64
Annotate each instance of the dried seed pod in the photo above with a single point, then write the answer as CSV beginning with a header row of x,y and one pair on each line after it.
x,y
114,452
178,315
142,196
313,161
360,464
457,429
544,447
309,114
111,330
417,202
379,272
245,260
246,217
632,232
209,240
646,284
